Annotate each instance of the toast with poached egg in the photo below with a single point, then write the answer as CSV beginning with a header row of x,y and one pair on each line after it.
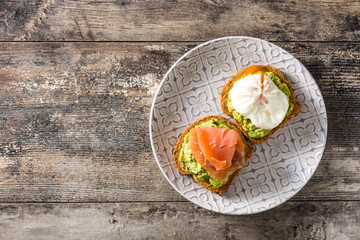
x,y
260,100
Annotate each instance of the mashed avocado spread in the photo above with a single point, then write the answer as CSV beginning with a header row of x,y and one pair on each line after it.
x,y
189,161
248,126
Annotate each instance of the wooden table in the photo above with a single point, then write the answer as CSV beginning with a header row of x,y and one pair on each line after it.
x,y
77,82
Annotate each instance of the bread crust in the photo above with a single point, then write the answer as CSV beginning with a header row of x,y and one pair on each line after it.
x,y
241,74
248,151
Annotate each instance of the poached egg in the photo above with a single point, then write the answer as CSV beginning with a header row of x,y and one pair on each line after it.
x,y
258,98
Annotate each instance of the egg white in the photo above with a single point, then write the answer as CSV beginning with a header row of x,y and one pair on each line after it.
x,y
263,103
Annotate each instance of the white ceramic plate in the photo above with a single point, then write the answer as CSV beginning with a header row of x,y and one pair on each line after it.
x,y
279,167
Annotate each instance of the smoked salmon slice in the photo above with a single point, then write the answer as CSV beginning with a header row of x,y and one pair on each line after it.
x,y
219,151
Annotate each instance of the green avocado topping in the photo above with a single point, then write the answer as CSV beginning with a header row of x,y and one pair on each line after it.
x,y
248,126
187,158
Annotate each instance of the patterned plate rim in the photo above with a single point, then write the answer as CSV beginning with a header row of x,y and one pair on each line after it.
x,y
152,112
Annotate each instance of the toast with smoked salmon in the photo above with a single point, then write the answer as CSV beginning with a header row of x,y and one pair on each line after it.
x,y
213,151
260,100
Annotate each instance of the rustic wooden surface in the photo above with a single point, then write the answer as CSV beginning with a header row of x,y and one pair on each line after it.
x,y
157,220
73,167
125,20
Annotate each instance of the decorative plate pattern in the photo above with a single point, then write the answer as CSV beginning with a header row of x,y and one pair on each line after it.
x,y
279,167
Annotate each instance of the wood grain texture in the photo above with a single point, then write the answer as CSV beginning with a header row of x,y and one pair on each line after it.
x,y
74,120
309,220
132,20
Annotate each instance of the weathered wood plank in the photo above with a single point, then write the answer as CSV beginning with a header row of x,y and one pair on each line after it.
x,y
74,120
115,20
310,220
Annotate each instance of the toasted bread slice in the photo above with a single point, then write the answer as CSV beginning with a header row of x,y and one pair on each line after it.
x,y
242,74
180,165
